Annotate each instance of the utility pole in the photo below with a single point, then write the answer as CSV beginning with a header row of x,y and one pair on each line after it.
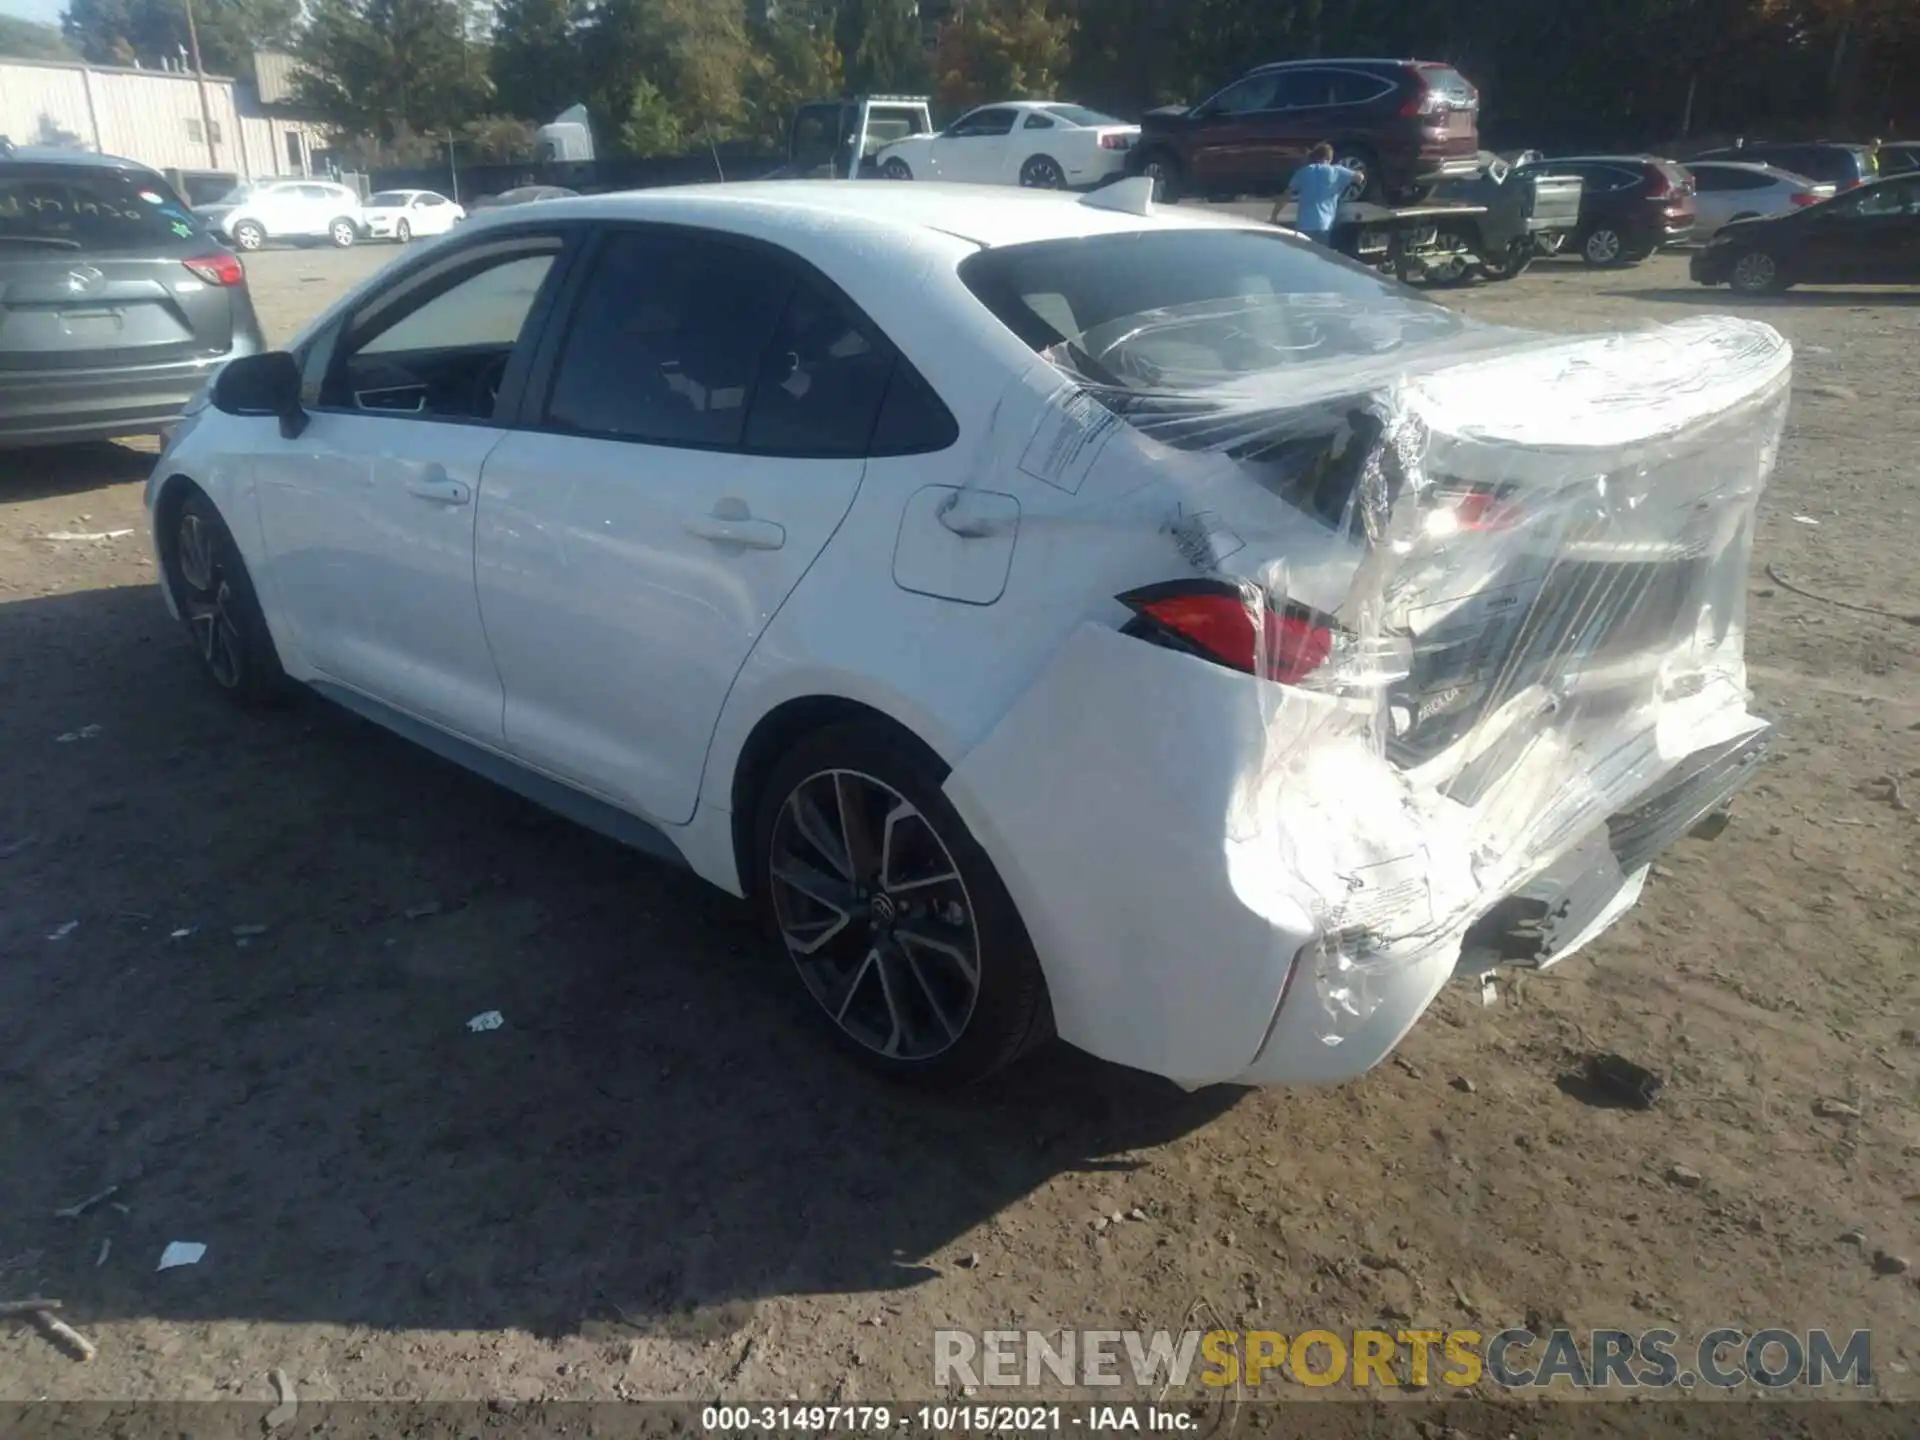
x,y
200,82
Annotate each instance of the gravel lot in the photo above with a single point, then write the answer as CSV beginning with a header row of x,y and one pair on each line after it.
x,y
654,1180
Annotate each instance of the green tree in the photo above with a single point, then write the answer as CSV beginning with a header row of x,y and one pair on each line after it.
x,y
1000,50
662,74
795,59
154,32
30,40
387,70
536,57
881,47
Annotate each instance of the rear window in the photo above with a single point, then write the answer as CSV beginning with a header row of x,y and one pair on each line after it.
x,y
1080,115
1183,310
70,207
1447,81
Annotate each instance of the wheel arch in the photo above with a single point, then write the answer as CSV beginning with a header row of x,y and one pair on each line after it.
x,y
774,735
170,496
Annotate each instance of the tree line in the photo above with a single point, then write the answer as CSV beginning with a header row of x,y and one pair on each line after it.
x,y
670,76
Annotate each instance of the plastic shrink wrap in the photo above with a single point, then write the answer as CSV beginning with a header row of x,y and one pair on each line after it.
x,y
1493,585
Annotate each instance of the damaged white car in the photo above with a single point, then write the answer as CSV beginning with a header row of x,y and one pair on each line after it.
x,y
1058,615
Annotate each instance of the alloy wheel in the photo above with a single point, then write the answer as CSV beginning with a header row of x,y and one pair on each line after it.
x,y
403,232
208,606
1358,164
1755,271
342,234
895,169
875,915
1042,173
1603,246
249,237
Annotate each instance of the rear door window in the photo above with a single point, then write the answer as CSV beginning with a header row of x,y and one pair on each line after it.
x,y
668,339
76,207
1246,97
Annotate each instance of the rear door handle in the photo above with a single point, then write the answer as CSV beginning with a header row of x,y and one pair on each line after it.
x,y
747,532
434,483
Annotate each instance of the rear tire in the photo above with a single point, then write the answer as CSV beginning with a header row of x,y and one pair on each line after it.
x,y
216,600
1603,246
249,235
902,936
1755,272
1370,186
1164,171
1512,265
342,232
1042,172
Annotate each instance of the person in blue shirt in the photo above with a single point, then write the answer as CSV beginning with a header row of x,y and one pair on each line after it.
x,y
1318,187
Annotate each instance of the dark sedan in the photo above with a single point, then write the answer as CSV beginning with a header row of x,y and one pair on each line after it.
x,y
115,304
1868,236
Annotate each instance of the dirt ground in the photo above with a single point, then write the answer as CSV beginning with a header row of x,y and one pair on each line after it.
x,y
654,1180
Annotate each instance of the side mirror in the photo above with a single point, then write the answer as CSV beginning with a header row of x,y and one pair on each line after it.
x,y
264,384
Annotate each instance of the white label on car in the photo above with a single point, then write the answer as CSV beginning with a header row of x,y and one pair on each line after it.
x,y
1074,427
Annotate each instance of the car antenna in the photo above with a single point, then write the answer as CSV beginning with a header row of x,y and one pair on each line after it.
x,y
1132,196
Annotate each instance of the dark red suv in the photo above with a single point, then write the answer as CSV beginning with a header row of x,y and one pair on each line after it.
x,y
1406,124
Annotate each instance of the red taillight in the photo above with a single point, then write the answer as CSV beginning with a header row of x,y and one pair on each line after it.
x,y
1216,619
218,269
1478,507
1803,199
1116,142
1849,184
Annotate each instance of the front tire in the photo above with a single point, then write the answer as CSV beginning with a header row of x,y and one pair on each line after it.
x,y
1042,172
249,235
898,927
403,232
216,600
896,169
342,233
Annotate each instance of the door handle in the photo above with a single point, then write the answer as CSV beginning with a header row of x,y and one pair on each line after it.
x,y
435,484
744,531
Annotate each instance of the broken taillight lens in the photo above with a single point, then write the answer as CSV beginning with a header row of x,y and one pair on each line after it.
x,y
1214,620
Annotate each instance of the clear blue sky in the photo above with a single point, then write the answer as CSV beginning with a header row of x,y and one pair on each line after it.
x,y
47,10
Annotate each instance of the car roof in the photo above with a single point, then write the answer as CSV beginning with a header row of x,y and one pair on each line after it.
x,y
1604,159
1758,167
55,155
1344,60
985,215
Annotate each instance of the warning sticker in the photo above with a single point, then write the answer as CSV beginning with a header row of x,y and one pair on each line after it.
x,y
1393,890
1072,431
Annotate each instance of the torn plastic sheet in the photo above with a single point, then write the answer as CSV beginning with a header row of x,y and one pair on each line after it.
x,y
1525,557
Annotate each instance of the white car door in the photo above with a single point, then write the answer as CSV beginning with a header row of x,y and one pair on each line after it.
x,y
706,415
974,148
368,516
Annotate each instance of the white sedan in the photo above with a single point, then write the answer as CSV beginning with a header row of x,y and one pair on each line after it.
x,y
402,214
1056,614
1729,190
1036,143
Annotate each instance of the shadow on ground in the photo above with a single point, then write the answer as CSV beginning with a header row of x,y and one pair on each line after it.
x,y
47,472
257,1030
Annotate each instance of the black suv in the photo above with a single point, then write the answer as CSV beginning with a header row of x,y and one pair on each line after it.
x,y
1841,166
115,304
1404,124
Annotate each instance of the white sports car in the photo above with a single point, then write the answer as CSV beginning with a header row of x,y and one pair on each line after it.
x,y
1056,614
1036,143
402,214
